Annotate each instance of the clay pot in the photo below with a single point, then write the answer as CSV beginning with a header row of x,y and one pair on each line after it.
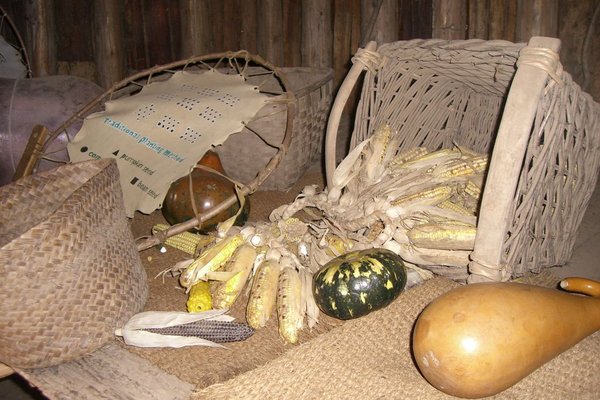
x,y
210,189
480,339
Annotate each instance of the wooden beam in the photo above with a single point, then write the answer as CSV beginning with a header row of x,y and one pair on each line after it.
x,y
450,19
108,42
109,373
270,31
537,18
248,25
40,32
317,34
478,19
380,21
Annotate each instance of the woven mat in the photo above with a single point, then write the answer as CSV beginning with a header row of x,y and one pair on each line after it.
x,y
367,358
370,358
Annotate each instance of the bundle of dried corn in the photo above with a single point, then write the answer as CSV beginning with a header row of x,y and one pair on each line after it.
x,y
420,204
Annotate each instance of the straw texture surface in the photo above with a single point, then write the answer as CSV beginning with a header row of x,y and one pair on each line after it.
x,y
370,358
71,272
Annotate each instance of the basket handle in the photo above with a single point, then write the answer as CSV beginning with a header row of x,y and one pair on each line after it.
x,y
337,109
507,159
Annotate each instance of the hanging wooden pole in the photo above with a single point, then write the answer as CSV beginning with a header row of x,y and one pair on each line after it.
x,y
450,19
317,34
536,18
108,42
40,32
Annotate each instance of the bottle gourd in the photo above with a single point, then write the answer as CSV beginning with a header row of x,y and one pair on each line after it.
x,y
478,340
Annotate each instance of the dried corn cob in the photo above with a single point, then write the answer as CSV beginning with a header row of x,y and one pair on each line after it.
x,y
433,158
211,259
186,241
225,293
443,236
450,205
408,155
431,196
263,294
472,189
462,167
289,302
215,331
199,298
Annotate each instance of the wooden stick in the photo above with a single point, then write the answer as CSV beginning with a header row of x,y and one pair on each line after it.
x,y
32,152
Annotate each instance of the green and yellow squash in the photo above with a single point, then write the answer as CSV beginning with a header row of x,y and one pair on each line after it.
x,y
359,282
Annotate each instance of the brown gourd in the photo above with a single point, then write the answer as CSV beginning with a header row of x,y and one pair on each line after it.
x,y
210,189
478,340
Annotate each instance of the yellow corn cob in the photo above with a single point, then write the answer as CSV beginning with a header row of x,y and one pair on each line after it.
x,y
289,304
263,294
450,205
210,260
443,236
408,155
186,241
199,298
473,190
463,167
430,196
225,293
433,156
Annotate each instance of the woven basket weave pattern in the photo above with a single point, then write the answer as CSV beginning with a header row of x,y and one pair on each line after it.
x,y
244,154
438,93
71,270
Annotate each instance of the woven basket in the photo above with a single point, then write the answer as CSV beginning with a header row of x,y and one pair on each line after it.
x,y
244,154
511,101
70,270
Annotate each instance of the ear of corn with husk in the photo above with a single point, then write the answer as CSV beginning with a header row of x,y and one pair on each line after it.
x,y
418,203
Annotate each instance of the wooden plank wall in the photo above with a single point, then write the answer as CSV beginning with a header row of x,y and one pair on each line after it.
x,y
107,40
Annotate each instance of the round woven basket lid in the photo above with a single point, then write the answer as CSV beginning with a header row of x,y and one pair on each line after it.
x,y
71,271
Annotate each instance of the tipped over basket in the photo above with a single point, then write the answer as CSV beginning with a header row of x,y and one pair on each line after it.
x,y
70,270
510,101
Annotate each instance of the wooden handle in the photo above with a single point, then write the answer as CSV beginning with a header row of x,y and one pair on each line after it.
x,y
336,114
581,285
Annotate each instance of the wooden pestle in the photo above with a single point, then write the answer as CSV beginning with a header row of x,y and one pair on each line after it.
x,y
480,339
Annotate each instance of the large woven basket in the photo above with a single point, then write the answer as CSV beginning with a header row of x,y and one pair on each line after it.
x,y
511,101
70,270
245,154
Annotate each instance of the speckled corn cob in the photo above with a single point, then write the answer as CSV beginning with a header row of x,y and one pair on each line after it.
x,y
215,331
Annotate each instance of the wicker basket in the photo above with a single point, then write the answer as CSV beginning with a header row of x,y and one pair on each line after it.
x,y
512,101
71,272
245,154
